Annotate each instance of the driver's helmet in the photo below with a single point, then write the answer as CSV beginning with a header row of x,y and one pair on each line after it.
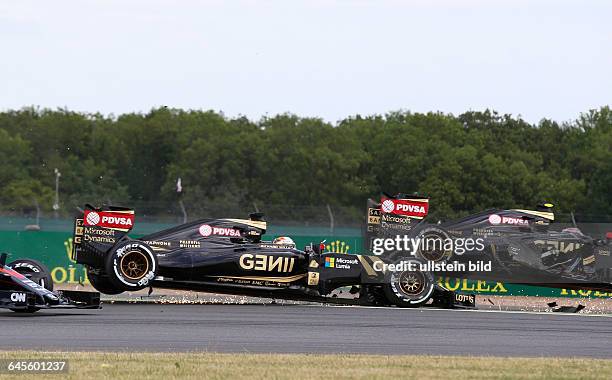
x,y
284,240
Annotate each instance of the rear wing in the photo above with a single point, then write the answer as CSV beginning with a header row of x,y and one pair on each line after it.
x,y
98,230
414,207
394,215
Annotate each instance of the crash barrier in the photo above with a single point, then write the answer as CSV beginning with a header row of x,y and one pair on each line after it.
x,y
53,248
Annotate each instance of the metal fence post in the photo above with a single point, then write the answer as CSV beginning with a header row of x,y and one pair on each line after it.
x,y
331,220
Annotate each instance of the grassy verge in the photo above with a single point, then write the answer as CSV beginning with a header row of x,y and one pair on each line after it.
x,y
90,366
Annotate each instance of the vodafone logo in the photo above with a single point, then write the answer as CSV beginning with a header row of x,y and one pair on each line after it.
x,y
495,219
205,230
388,206
93,218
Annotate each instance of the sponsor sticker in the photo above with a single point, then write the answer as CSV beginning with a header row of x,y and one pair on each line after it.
x,y
109,219
388,206
93,218
515,221
18,297
207,230
330,262
342,263
189,244
268,263
415,208
496,219
373,216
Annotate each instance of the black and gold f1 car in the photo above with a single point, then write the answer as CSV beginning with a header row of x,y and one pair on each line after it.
x,y
505,245
229,256
26,287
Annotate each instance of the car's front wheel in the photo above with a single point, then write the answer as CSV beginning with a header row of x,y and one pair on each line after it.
x,y
36,272
410,286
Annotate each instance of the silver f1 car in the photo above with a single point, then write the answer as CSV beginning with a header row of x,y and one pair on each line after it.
x,y
26,287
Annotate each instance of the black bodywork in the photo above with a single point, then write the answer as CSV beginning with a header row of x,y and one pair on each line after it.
x,y
18,292
230,256
521,246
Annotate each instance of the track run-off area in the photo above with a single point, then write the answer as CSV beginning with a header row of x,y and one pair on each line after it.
x,y
308,329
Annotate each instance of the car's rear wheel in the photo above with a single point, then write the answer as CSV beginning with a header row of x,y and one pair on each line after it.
x,y
132,265
36,272
100,281
435,245
409,287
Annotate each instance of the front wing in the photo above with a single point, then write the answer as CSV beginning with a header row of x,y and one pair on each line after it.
x,y
67,299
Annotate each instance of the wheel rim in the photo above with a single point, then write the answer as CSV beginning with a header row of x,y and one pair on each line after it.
x,y
37,277
134,265
433,254
412,283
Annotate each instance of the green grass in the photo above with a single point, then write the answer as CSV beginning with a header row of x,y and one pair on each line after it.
x,y
89,366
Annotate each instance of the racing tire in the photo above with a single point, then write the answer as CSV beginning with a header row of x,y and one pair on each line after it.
x,y
35,271
409,288
373,296
131,266
101,283
432,246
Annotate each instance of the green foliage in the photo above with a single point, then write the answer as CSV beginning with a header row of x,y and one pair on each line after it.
x,y
465,163
26,194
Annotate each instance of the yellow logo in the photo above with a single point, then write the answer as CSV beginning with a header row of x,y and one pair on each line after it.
x,y
69,245
338,247
72,274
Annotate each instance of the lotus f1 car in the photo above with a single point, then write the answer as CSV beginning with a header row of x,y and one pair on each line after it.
x,y
517,245
26,287
229,256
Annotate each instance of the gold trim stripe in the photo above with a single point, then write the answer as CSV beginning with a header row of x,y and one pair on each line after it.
x,y
258,278
542,214
253,223
364,263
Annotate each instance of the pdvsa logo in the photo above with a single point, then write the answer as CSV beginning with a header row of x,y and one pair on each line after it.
x,y
116,220
496,219
388,206
415,208
93,218
207,230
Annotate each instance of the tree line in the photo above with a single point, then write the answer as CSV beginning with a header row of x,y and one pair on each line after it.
x,y
465,163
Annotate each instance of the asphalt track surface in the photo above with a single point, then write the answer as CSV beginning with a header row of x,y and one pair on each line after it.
x,y
310,329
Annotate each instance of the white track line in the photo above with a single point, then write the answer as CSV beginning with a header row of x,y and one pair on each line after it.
x,y
472,311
